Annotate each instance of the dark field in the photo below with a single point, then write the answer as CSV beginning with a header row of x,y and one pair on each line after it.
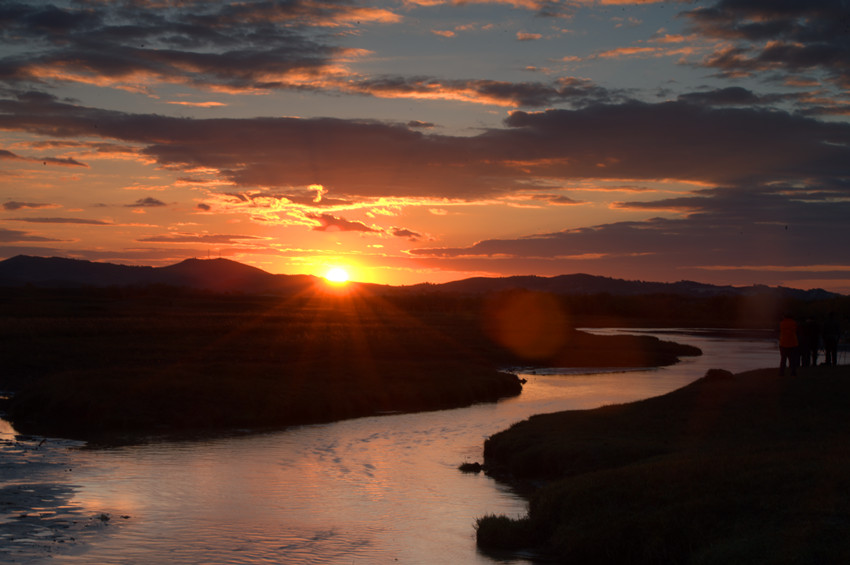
x,y
113,364
743,469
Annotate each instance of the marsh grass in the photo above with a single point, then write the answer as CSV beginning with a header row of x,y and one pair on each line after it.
x,y
503,533
747,469
89,364
85,363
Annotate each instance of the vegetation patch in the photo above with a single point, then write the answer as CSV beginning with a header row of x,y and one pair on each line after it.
x,y
100,363
748,468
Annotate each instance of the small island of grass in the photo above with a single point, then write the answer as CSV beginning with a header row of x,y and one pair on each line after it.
x,y
748,468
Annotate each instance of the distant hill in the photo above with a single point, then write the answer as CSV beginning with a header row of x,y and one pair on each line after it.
x,y
224,275
579,284
217,275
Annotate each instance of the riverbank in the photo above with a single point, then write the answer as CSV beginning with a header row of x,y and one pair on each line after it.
x,y
112,366
746,468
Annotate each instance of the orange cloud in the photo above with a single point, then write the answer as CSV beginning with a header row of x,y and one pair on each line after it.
x,y
197,104
623,52
522,36
527,4
668,38
626,2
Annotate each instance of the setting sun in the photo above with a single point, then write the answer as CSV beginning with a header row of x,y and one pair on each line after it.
x,y
337,275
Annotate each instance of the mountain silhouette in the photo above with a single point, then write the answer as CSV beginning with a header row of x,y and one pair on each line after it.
x,y
220,275
583,284
224,275
217,275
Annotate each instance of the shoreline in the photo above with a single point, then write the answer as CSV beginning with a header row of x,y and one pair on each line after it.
x,y
719,471
39,519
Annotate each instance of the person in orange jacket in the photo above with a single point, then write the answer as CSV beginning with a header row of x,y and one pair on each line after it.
x,y
788,345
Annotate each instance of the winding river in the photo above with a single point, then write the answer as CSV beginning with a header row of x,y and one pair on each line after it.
x,y
372,490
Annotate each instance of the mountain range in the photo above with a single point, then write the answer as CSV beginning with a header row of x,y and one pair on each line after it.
x,y
224,275
582,284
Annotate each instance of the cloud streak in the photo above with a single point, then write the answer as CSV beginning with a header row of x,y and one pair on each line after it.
x,y
81,221
678,140
329,222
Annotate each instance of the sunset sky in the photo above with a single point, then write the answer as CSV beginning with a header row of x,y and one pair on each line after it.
x,y
433,140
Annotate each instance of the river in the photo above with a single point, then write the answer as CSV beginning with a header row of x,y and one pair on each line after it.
x,y
371,490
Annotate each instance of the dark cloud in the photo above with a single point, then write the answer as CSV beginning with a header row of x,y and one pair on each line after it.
x,y
678,140
14,205
365,159
204,207
62,221
235,46
237,197
4,154
215,44
554,9
198,238
403,232
16,236
555,199
757,227
730,96
148,202
67,162
779,35
329,222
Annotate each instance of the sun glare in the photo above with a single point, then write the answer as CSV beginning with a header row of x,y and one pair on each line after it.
x,y
337,275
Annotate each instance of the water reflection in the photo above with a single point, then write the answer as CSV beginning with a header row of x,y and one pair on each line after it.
x,y
7,432
372,490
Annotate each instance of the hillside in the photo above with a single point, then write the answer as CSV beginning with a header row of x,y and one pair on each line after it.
x,y
216,275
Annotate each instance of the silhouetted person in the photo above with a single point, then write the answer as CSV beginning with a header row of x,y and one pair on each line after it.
x,y
809,337
831,334
788,345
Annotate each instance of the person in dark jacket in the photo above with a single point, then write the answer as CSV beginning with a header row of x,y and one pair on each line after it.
x,y
809,338
831,334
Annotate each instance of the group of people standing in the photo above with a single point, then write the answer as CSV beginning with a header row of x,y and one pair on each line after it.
x,y
799,343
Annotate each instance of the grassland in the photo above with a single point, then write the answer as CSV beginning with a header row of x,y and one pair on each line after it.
x,y
745,469
95,364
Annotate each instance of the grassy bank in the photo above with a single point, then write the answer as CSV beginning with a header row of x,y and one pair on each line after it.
x,y
93,363
748,468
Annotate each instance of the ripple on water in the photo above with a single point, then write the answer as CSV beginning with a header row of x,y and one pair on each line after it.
x,y
39,517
